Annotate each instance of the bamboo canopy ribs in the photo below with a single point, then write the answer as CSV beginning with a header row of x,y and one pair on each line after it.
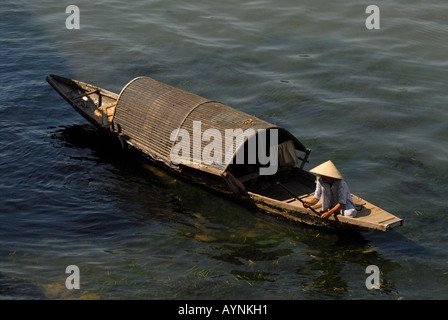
x,y
214,145
151,116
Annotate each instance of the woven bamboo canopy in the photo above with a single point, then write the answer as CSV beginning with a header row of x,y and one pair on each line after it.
x,y
148,111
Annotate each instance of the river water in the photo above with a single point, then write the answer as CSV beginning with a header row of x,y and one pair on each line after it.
x,y
372,101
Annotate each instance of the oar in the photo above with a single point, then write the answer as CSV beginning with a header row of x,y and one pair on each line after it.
x,y
292,194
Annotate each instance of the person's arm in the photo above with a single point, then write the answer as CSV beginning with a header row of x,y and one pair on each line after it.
x,y
333,210
316,198
312,202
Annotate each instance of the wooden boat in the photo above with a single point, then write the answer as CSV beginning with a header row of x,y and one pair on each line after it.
x,y
147,116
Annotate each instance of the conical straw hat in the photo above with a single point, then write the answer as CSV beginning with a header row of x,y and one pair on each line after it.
x,y
327,169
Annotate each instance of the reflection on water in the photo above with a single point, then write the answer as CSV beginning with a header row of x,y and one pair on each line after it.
x,y
243,249
127,177
12,288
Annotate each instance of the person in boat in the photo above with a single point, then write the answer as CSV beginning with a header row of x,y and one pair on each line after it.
x,y
334,191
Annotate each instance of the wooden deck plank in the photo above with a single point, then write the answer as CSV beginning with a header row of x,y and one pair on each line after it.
x,y
370,216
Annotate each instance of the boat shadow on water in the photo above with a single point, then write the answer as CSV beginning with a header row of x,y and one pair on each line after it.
x,y
126,178
250,243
